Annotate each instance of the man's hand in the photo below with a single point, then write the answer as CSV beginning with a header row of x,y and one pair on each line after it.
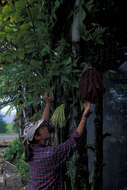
x,y
86,112
48,97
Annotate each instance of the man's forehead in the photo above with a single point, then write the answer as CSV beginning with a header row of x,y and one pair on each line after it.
x,y
43,127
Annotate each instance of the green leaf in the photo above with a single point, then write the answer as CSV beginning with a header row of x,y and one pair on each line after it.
x,y
19,5
83,15
2,36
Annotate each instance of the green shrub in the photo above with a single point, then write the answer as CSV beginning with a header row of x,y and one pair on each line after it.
x,y
15,154
23,170
14,151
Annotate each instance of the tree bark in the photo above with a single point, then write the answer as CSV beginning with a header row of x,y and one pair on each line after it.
x,y
82,173
98,161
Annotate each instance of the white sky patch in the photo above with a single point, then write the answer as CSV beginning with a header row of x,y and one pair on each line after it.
x,y
8,117
5,109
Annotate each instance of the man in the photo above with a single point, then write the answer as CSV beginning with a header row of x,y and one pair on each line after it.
x,y
45,162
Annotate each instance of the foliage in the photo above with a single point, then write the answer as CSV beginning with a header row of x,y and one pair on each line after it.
x,y
31,62
71,171
26,61
14,151
15,154
93,35
91,32
23,170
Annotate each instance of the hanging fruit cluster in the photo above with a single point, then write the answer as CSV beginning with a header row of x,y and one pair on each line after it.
x,y
58,117
91,86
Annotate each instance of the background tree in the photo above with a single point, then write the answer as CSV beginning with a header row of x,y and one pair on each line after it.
x,y
3,125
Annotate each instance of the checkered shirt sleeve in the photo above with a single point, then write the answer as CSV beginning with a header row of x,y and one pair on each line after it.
x,y
66,150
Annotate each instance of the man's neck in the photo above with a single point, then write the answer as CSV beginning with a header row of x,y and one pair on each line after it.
x,y
43,142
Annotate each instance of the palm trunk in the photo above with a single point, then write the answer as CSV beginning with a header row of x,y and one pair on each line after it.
x,y
81,173
98,161
76,30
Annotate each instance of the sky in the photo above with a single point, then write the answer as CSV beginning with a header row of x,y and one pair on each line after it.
x,y
8,118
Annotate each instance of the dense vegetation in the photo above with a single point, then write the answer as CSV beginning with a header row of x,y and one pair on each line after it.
x,y
15,154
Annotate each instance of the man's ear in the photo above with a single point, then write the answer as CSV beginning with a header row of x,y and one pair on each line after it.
x,y
37,137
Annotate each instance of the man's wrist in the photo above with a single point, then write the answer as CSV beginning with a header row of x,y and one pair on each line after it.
x,y
84,115
48,102
84,118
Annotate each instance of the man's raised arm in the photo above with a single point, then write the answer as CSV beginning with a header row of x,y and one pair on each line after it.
x,y
85,114
48,98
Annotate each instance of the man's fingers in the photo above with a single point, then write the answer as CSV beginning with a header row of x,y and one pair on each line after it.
x,y
45,94
52,96
87,104
48,96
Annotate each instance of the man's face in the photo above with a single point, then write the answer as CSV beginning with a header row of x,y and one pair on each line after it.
x,y
44,133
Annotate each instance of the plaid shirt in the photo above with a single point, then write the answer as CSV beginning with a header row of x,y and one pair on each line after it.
x,y
46,165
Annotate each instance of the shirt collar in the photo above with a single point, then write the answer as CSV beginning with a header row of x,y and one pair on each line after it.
x,y
38,145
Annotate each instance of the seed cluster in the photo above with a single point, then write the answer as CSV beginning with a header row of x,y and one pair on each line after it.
x,y
91,86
